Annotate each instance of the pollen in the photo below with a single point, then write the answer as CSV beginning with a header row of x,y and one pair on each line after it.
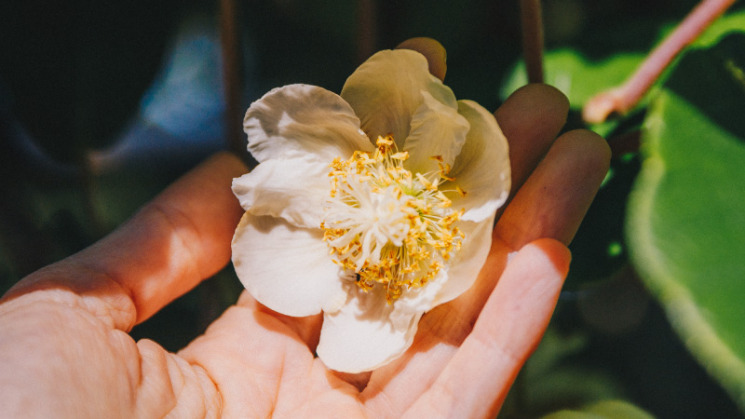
x,y
392,228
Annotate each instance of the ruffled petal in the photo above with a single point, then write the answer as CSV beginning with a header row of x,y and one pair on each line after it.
x,y
293,189
436,137
482,169
385,92
366,333
286,268
300,120
467,263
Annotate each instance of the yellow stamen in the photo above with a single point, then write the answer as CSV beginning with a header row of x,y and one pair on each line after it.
x,y
394,229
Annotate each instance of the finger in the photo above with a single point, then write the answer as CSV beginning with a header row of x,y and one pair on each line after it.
x,y
476,380
432,50
554,199
531,119
551,204
167,248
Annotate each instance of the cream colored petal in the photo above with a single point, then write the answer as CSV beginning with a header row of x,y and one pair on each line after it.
x,y
422,299
293,189
436,137
366,333
482,169
467,263
299,120
286,268
385,92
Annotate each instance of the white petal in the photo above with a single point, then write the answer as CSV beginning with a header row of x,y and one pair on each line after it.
x,y
482,169
299,120
366,333
422,299
385,92
293,189
436,130
467,263
286,268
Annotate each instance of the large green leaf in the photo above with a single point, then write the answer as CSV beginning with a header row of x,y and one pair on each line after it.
x,y
686,223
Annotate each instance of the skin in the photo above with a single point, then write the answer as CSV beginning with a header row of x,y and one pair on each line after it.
x,y
65,350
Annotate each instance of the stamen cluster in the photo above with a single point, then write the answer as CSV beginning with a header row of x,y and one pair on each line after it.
x,y
390,227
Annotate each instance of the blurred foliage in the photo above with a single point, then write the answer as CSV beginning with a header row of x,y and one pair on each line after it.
x,y
577,76
610,409
104,103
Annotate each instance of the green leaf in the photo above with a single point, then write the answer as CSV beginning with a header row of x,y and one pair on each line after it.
x,y
607,409
578,77
685,227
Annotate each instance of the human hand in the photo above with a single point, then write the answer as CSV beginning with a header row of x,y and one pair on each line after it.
x,y
63,330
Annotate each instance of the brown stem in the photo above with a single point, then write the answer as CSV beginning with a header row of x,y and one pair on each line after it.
x,y
231,77
532,27
366,29
623,98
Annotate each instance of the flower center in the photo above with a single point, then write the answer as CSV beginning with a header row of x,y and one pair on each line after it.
x,y
392,228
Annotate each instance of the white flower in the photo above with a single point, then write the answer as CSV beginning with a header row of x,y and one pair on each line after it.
x,y
373,206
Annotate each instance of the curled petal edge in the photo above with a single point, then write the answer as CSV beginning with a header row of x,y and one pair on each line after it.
x,y
299,120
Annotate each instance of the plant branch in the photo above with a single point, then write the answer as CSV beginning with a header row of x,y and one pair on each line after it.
x,y
623,98
231,77
366,29
532,28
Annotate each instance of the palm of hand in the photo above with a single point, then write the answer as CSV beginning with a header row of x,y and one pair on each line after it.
x,y
68,339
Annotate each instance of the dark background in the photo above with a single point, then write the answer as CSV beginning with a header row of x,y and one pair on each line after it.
x,y
103,103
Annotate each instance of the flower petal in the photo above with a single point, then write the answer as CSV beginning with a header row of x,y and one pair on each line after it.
x,y
422,299
438,131
293,189
286,268
366,333
298,120
482,169
385,92
467,263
